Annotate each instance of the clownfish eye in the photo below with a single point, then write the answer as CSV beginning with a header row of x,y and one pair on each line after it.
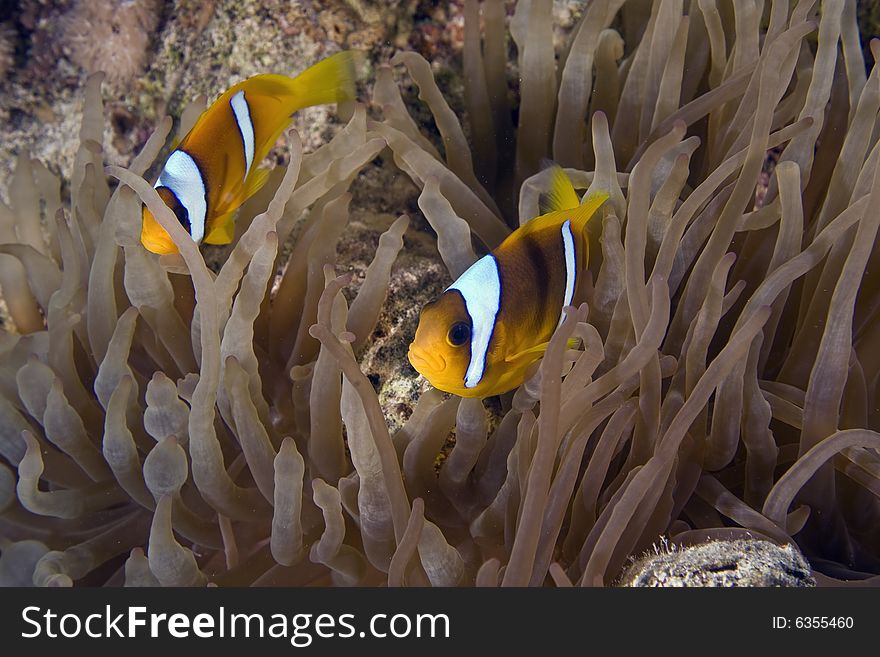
x,y
459,334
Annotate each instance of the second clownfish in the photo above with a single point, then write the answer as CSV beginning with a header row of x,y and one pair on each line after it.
x,y
480,337
214,168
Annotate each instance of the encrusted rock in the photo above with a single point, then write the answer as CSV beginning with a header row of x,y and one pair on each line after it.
x,y
721,564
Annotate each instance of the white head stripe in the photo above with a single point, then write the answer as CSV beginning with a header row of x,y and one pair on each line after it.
x,y
182,176
570,264
245,126
480,286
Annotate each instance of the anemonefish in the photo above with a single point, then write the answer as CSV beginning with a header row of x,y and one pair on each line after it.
x,y
480,336
214,168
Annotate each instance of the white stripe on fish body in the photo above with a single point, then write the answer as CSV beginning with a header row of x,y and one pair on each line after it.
x,y
242,113
570,266
182,176
480,286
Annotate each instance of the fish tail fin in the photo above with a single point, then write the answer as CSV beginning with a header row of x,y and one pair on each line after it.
x,y
331,80
561,195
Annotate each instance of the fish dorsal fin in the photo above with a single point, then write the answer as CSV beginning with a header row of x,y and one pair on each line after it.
x,y
578,215
561,195
582,213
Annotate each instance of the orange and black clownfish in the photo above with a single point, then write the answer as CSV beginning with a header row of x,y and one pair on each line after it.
x,y
214,168
480,336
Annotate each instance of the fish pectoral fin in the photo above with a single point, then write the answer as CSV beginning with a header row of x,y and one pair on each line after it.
x,y
223,230
533,353
254,182
223,227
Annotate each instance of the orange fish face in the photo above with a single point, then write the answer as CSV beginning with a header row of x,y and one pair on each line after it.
x,y
155,238
441,348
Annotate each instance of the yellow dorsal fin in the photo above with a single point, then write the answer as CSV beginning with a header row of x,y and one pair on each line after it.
x,y
591,202
579,215
561,195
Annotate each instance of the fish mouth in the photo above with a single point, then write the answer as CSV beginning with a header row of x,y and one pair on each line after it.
x,y
424,361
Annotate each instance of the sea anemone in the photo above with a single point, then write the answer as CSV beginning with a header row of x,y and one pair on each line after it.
x,y
110,35
219,428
